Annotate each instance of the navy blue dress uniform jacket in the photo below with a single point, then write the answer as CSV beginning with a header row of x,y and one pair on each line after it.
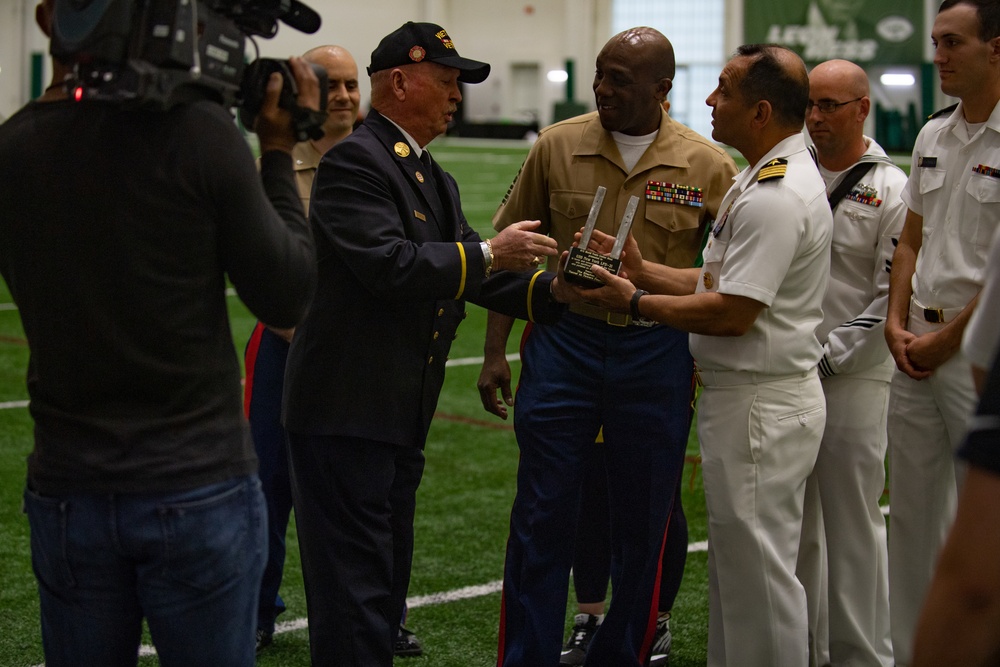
x,y
397,260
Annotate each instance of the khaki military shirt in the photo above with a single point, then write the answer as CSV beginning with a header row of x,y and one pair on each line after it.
x,y
680,181
305,159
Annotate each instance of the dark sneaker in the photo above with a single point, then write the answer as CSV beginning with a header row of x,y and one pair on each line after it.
x,y
575,650
264,639
407,645
660,653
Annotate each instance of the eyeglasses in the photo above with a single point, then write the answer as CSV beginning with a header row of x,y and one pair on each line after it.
x,y
827,106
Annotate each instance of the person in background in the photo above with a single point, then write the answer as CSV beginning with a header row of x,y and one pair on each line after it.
x,y
843,529
937,273
267,348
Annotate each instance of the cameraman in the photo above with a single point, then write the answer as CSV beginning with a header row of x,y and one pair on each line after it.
x,y
118,228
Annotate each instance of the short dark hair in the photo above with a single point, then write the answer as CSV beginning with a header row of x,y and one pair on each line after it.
x,y
768,78
988,12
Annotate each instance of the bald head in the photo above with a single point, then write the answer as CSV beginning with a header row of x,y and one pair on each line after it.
x,y
343,97
633,75
647,49
846,76
838,107
321,55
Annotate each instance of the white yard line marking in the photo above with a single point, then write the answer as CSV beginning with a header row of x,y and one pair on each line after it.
x,y
473,361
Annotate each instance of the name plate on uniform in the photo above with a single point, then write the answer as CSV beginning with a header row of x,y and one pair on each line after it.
x,y
581,259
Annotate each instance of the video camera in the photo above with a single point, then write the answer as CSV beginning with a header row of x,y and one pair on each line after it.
x,y
158,53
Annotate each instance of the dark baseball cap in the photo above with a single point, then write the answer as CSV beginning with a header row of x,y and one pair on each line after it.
x,y
416,42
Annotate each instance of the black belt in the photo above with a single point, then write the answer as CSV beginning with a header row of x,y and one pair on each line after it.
x,y
608,317
935,315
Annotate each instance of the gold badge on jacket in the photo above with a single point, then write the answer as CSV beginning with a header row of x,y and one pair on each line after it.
x,y
402,149
420,177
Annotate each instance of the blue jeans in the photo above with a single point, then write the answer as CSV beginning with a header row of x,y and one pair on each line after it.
x,y
190,562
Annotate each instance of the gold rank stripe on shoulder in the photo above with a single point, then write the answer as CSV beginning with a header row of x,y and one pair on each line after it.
x,y
776,168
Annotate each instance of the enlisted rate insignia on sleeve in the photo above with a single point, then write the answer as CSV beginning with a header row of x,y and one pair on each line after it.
x,y
671,193
864,194
986,171
776,168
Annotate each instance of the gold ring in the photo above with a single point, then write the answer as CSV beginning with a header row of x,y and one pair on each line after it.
x,y
538,260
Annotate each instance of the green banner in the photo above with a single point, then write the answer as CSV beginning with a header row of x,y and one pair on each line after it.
x,y
868,32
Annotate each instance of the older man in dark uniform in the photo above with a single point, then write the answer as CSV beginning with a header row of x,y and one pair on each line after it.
x,y
396,260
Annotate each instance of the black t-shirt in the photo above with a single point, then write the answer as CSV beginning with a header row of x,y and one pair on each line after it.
x,y
117,230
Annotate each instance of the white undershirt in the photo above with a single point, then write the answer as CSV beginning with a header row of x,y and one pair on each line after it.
x,y
632,148
971,129
831,177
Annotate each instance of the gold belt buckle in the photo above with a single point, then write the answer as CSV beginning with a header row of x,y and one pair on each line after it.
x,y
697,377
934,315
618,319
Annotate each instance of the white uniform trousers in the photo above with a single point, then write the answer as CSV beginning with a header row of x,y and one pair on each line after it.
x,y
927,421
843,561
759,443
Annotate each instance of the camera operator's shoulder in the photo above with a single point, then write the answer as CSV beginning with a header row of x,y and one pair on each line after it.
x,y
205,112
